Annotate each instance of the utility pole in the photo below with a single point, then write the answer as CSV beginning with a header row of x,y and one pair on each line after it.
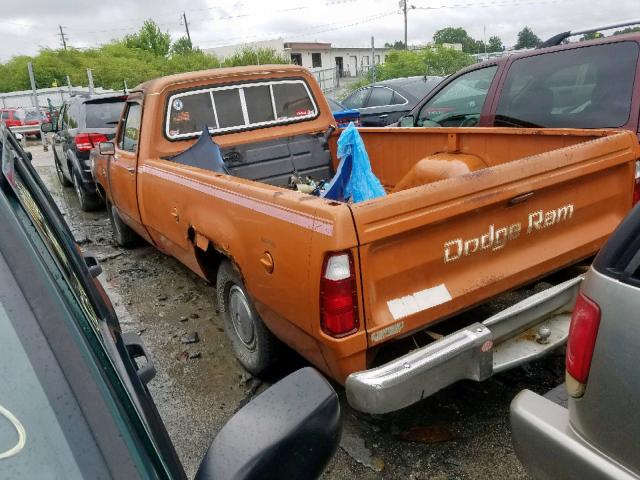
x,y
405,7
63,37
90,77
484,40
32,79
186,27
373,60
404,10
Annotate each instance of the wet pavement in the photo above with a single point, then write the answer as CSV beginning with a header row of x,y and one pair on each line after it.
x,y
461,432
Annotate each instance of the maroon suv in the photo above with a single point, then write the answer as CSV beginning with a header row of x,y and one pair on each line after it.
x,y
591,84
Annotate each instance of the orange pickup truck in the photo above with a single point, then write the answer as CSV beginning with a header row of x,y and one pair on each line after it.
x,y
390,296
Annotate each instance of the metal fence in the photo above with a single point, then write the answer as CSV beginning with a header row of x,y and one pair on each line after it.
x,y
57,95
327,78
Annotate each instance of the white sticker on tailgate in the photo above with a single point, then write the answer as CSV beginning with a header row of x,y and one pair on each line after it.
x,y
419,301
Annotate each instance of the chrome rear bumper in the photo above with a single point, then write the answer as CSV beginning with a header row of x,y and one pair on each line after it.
x,y
505,340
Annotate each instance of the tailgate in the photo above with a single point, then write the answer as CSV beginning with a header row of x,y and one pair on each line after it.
x,y
432,251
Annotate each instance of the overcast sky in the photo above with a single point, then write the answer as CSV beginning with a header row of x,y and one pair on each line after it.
x,y
28,26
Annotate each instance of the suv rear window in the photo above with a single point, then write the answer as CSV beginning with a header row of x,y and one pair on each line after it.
x,y
588,87
237,107
103,114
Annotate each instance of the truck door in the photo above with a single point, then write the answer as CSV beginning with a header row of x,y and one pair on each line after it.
x,y
122,167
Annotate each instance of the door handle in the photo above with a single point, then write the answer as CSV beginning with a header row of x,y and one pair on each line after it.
x,y
136,349
384,115
131,170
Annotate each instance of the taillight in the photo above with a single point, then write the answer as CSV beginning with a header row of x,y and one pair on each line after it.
x,y
583,331
87,141
338,295
636,187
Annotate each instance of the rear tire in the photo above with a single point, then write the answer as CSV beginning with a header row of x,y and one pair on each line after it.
x,y
255,347
123,235
63,180
88,201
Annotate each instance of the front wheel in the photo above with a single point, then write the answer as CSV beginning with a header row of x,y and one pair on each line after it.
x,y
88,201
123,235
63,180
254,346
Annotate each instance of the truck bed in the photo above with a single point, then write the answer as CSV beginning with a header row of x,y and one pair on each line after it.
x,y
532,202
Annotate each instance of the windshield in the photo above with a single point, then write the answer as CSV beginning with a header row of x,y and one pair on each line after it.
x,y
104,114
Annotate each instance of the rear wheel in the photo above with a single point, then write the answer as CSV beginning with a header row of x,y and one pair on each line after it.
x,y
63,180
123,235
253,344
88,201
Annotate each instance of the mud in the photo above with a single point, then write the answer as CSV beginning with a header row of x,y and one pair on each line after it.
x,y
200,385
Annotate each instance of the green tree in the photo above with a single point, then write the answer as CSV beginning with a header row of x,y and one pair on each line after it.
x,y
255,56
150,38
397,45
182,46
456,35
527,39
495,44
426,61
627,30
591,36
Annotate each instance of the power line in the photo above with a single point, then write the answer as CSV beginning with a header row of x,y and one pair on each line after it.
x,y
306,32
486,4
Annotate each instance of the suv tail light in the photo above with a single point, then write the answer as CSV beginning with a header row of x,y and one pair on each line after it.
x,y
583,331
636,187
338,295
87,141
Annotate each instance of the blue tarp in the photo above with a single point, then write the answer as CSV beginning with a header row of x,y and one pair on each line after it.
x,y
354,179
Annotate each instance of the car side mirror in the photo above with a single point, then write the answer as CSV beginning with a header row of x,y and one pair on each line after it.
x,y
407,121
46,127
107,148
291,430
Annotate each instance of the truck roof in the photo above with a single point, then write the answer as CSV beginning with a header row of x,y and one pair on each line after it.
x,y
159,84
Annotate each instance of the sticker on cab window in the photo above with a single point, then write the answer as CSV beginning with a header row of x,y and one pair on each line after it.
x,y
177,104
302,113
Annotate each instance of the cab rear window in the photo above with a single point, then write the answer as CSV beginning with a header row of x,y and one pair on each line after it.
x,y
588,87
231,108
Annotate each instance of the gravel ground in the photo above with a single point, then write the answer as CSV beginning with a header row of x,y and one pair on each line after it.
x,y
461,432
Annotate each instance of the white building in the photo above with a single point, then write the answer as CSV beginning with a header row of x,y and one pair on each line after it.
x,y
348,61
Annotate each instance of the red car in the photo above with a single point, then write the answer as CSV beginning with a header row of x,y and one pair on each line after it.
x,y
11,117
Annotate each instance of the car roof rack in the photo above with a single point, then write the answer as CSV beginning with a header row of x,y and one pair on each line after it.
x,y
557,39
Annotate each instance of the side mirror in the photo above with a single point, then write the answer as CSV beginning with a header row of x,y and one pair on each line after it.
x,y
407,121
107,148
291,430
47,127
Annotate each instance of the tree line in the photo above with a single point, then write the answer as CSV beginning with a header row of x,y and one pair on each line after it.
x,y
526,39
138,57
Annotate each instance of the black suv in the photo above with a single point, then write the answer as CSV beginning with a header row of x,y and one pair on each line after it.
x,y
83,123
